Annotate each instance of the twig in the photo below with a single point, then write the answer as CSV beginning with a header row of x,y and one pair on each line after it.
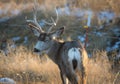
x,y
116,77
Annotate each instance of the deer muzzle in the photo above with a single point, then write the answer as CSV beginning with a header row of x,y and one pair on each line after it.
x,y
36,50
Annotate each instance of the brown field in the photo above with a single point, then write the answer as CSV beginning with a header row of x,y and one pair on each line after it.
x,y
26,67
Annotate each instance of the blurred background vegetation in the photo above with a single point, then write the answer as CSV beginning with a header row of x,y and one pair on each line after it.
x,y
92,4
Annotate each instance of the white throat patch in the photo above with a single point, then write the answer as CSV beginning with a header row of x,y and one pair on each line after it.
x,y
74,53
39,45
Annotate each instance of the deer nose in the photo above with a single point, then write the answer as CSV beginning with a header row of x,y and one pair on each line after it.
x,y
36,50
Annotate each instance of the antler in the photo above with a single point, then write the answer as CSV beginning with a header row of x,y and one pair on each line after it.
x,y
34,23
54,22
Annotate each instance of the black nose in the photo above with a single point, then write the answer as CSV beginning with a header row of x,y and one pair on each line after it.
x,y
36,50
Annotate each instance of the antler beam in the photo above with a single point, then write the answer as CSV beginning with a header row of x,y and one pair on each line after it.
x,y
54,22
34,21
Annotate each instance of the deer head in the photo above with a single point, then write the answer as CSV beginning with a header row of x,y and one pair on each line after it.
x,y
45,38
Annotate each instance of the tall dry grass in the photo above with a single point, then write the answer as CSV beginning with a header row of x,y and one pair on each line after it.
x,y
84,4
26,67
99,69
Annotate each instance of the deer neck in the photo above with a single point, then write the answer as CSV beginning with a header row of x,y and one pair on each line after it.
x,y
54,51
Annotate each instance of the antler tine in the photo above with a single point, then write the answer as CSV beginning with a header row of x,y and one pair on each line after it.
x,y
53,21
34,21
49,22
57,16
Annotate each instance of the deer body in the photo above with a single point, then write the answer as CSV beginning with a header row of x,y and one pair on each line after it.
x,y
67,55
61,51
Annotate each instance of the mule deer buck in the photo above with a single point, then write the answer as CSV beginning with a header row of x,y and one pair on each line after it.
x,y
69,56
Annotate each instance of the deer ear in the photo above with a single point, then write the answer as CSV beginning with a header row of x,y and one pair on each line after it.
x,y
58,33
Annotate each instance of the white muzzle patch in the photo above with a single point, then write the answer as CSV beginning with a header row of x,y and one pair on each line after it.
x,y
74,53
39,45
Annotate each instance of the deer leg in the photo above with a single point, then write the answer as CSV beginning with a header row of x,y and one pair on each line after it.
x,y
72,78
63,77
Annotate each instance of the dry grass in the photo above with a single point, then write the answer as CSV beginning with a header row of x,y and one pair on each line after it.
x,y
84,4
13,9
99,69
26,67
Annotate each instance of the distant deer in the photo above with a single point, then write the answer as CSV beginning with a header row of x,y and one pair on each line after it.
x,y
69,56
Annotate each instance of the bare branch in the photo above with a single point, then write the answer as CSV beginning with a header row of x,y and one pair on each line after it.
x,y
116,77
